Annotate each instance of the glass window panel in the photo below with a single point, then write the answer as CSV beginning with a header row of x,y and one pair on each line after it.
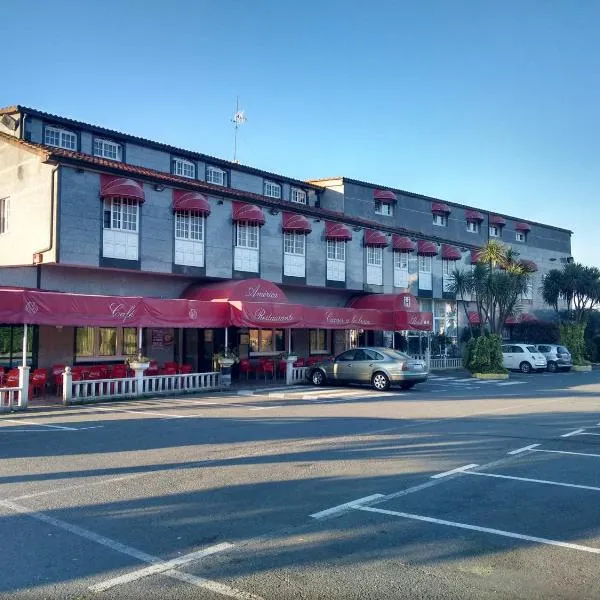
x,y
279,340
84,341
253,340
107,345
130,340
266,340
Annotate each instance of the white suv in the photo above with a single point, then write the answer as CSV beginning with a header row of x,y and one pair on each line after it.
x,y
524,357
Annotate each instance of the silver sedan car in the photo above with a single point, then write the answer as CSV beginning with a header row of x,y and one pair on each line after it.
x,y
380,367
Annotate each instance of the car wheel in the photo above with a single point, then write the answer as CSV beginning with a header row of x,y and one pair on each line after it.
x,y
380,381
407,386
552,367
317,377
525,367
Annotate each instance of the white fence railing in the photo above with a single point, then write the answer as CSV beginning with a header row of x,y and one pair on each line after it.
x,y
299,374
10,398
133,387
444,362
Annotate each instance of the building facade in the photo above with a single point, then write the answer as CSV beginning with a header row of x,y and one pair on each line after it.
x,y
88,210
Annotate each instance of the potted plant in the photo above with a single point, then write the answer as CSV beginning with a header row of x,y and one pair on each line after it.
x,y
289,357
227,357
138,361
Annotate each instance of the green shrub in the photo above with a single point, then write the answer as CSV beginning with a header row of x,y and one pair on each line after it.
x,y
572,336
536,333
484,354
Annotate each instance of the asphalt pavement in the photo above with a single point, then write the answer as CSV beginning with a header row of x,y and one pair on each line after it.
x,y
455,489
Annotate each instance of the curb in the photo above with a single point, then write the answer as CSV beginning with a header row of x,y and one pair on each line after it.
x,y
582,368
488,376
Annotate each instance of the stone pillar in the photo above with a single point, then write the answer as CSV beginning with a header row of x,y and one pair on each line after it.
x,y
67,391
289,366
138,374
24,385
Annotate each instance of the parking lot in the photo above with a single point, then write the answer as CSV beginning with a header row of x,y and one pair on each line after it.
x,y
456,489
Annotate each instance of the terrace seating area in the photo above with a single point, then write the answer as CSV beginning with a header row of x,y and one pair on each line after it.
x,y
271,368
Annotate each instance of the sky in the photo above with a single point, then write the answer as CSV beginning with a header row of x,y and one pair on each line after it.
x,y
491,104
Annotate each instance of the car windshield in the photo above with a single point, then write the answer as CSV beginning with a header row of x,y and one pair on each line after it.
x,y
532,348
562,350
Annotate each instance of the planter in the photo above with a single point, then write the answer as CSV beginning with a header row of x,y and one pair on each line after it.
x,y
489,375
225,365
291,359
226,362
581,368
137,365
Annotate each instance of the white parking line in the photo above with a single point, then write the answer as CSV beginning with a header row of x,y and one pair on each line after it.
x,y
22,422
500,532
453,471
159,568
527,479
523,449
567,452
576,432
511,382
343,507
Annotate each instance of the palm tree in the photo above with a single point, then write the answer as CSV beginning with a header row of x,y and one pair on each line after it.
x,y
460,286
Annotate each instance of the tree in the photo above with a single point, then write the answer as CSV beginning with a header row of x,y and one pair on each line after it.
x,y
461,286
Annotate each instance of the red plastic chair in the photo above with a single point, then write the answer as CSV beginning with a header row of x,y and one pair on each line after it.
x,y
267,367
12,379
168,371
119,372
186,369
313,360
299,363
246,367
282,367
171,365
39,379
96,373
152,369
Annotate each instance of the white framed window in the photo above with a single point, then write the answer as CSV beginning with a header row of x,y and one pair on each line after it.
x,y
108,149
298,196
184,168
528,293
473,226
495,231
294,259
425,279
446,274
446,266
189,238
520,236
336,260
383,208
374,265
401,269
121,228
424,264
265,341
60,138
105,343
272,189
215,175
246,251
4,215
318,341
440,220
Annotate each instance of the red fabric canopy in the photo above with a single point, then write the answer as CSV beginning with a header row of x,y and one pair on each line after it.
x,y
475,254
474,215
184,313
496,220
375,238
386,196
440,208
402,243
451,252
426,248
404,308
183,200
120,187
246,290
265,314
524,227
248,212
347,318
337,231
296,222
474,318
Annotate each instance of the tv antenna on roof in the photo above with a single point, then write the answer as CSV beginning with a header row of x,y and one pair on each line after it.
x,y
239,118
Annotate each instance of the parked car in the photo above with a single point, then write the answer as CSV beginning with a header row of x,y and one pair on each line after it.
x,y
557,357
523,357
378,366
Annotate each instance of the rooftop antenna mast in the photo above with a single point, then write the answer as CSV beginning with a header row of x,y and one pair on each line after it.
x,y
239,118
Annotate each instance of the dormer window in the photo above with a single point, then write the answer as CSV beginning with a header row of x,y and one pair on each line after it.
x,y
108,149
297,195
440,220
215,176
383,208
184,168
272,189
60,138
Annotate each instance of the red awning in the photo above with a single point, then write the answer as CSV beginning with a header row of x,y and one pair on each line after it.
x,y
404,307
246,290
474,215
440,208
185,313
474,318
451,252
248,212
511,320
496,220
337,231
524,227
183,200
475,254
529,265
121,187
347,318
528,318
265,314
296,222
426,248
375,238
402,243
386,196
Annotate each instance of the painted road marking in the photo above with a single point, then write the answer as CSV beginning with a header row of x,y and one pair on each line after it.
x,y
511,382
343,507
527,479
453,471
149,412
159,568
576,432
129,551
22,422
500,532
523,449
566,452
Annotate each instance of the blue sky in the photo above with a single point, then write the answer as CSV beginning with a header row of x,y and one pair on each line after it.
x,y
494,104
